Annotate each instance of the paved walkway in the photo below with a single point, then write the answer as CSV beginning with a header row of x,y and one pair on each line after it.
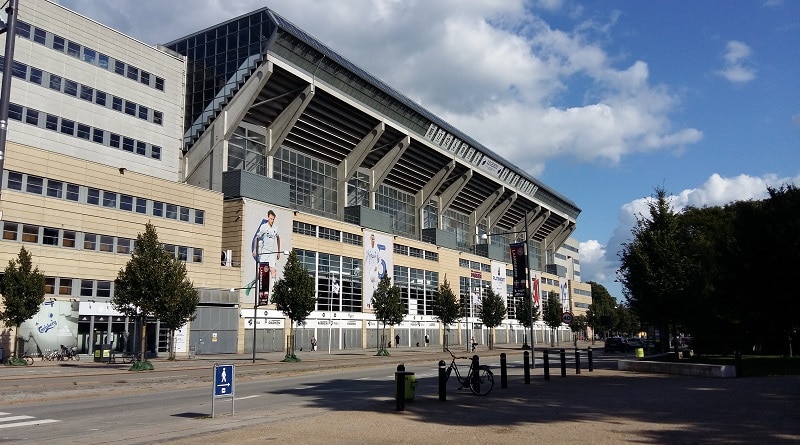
x,y
602,407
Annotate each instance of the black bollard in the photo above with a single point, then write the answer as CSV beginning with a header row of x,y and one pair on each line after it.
x,y
577,361
503,371
527,361
400,380
546,360
563,362
591,365
476,365
737,363
442,381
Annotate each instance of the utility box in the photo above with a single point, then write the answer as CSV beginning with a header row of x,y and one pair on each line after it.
x,y
410,382
102,353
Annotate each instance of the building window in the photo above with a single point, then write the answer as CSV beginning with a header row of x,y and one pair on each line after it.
x,y
34,184
126,203
36,76
87,93
141,205
87,288
158,117
73,192
19,70
116,103
50,236
130,108
89,55
184,214
119,67
100,98
124,245
109,199
51,122
68,127
89,241
70,87
68,240
145,78
15,112
30,233
155,152
39,36
172,211
133,72
10,230
73,49
159,84
55,82
106,243
98,135
58,43
14,181
199,217
93,196
84,131
127,144
65,286
54,188
104,289
158,208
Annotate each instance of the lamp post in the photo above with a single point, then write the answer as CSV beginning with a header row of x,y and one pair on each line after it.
x,y
262,273
527,273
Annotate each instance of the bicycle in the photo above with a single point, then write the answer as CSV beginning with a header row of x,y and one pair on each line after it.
x,y
480,381
28,359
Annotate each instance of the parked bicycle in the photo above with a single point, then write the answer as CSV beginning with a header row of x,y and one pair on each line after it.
x,y
69,353
480,381
52,355
26,356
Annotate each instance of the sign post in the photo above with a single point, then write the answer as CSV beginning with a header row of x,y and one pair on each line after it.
x,y
223,388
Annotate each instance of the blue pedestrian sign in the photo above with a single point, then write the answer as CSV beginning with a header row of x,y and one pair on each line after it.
x,y
224,376
223,380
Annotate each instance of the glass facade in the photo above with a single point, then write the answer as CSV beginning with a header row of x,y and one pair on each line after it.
x,y
312,183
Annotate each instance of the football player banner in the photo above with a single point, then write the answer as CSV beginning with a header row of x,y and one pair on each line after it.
x,y
518,269
263,284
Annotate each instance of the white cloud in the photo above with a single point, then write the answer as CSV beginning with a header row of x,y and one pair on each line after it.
x,y
736,68
599,262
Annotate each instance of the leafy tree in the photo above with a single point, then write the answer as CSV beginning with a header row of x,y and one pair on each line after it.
x,y
552,314
23,291
491,311
389,308
578,326
175,312
626,321
526,314
152,284
294,296
601,312
655,270
446,308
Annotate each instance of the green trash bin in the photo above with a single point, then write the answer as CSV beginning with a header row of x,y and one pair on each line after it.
x,y
411,384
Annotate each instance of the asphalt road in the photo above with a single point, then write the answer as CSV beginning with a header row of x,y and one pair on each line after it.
x,y
323,400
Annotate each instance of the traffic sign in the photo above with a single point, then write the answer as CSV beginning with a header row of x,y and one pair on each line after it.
x,y
224,376
566,317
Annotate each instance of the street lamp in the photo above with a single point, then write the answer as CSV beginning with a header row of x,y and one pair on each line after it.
x,y
262,273
527,273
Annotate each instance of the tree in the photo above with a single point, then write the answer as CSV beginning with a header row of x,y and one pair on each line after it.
x,y
491,311
526,313
446,308
552,314
23,290
389,308
578,326
175,312
601,312
152,284
294,296
655,269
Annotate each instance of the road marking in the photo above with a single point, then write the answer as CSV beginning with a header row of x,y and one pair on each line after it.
x,y
248,397
30,423
9,421
12,418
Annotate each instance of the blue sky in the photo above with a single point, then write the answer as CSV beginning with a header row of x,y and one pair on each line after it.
x,y
602,101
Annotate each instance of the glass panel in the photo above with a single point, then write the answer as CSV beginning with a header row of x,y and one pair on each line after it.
x,y
68,240
54,188
10,231
30,233
93,196
89,241
34,185
73,192
50,236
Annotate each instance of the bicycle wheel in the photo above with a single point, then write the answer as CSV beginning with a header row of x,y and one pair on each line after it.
x,y
483,383
28,359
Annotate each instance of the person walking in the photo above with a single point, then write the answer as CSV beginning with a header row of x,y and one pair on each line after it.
x,y
313,343
427,340
397,341
472,342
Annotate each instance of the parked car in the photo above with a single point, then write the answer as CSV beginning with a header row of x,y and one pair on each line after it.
x,y
635,342
616,344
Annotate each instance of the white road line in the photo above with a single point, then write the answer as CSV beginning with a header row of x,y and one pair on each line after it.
x,y
13,418
29,423
248,397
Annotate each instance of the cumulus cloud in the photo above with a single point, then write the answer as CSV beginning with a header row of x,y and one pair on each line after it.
x,y
496,70
737,69
599,262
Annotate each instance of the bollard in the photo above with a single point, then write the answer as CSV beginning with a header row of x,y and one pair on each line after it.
x,y
503,371
400,381
476,364
737,363
563,363
577,361
546,359
591,365
442,381
527,369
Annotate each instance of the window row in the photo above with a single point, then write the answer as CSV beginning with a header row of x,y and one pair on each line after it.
x,y
415,252
89,55
337,278
71,239
327,233
88,195
474,265
72,128
85,92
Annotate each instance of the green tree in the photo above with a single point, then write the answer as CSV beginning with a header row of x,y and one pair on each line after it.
x,y
389,308
294,296
578,326
552,314
180,309
446,308
22,287
491,311
149,284
601,312
526,313
654,268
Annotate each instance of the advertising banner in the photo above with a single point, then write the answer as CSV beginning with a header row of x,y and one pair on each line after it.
x,y
518,268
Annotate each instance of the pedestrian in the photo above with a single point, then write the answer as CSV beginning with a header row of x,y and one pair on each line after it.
x,y
313,343
427,340
397,341
472,342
